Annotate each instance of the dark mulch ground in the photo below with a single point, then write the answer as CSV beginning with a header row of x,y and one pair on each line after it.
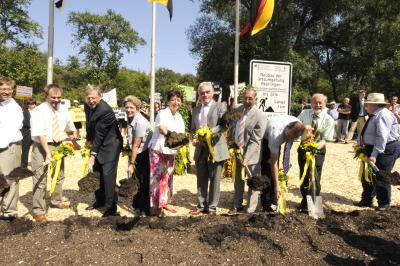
x,y
356,238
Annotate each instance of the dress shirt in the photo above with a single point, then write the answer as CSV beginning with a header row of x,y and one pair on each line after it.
x,y
275,132
42,119
173,123
333,113
11,118
237,128
325,123
362,108
380,130
205,108
139,128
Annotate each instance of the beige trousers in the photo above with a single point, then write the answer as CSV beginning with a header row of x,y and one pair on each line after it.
x,y
359,124
39,205
10,158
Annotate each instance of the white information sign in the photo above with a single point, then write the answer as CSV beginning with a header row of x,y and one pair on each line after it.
x,y
24,93
273,83
110,97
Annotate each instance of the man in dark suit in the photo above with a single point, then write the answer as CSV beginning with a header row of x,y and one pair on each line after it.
x,y
358,114
106,140
208,114
26,133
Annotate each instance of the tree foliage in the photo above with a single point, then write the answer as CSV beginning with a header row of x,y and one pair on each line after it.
x,y
102,39
336,47
16,28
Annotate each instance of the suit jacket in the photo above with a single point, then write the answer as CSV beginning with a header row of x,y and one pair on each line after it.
x,y
254,130
215,113
103,133
355,109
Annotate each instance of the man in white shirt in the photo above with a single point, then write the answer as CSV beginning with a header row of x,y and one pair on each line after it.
x,y
50,125
10,146
280,129
324,124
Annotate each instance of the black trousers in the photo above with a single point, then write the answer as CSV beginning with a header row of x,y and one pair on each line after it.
x,y
305,188
267,195
106,195
26,145
141,201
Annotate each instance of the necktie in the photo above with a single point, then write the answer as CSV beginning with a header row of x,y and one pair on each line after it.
x,y
56,127
286,156
314,125
203,117
240,136
365,128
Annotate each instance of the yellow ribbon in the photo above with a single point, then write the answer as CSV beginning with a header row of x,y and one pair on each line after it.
x,y
282,203
310,162
54,170
86,156
237,157
364,168
204,134
183,151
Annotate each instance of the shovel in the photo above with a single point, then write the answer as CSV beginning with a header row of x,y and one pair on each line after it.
x,y
314,203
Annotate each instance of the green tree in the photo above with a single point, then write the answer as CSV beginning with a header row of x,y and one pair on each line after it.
x,y
15,25
102,39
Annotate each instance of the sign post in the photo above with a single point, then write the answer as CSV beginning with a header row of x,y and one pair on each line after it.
x,y
273,83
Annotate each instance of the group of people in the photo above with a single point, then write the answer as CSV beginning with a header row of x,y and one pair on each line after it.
x,y
259,140
351,116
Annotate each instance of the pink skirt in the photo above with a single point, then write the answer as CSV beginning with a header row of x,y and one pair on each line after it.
x,y
161,178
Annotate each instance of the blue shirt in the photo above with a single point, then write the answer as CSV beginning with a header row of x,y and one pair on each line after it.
x,y
333,113
380,130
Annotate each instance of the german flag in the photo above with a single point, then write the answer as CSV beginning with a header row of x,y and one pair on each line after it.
x,y
261,14
167,3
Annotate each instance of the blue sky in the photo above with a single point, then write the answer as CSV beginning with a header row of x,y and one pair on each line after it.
x,y
172,45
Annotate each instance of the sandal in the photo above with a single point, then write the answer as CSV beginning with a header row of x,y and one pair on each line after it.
x,y
171,210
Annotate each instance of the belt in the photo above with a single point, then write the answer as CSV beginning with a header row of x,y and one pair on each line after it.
x,y
54,143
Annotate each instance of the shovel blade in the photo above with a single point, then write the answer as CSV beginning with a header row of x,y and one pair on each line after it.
x,y
315,208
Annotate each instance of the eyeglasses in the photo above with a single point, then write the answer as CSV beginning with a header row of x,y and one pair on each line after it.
x,y
6,89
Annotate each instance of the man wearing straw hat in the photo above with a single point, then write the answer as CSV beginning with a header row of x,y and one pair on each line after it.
x,y
380,137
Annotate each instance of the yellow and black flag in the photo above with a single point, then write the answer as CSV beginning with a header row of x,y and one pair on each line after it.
x,y
167,3
261,14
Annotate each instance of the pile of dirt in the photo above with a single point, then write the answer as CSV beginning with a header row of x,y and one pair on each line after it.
x,y
20,173
90,183
175,140
259,182
128,187
229,118
355,238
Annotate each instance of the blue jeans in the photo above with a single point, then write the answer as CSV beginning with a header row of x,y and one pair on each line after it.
x,y
382,190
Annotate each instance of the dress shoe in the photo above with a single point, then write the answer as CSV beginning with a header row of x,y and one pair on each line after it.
x,y
195,212
60,206
233,211
363,204
385,207
109,213
8,218
94,206
212,213
302,206
40,218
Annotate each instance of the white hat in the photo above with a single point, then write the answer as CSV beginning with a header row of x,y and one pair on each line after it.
x,y
333,102
376,98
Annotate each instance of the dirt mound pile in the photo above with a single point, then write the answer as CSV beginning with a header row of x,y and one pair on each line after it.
x,y
90,183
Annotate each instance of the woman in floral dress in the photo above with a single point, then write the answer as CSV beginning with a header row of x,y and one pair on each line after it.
x,y
162,158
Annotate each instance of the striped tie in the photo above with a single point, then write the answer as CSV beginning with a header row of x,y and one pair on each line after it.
x,y
286,156
240,135
56,127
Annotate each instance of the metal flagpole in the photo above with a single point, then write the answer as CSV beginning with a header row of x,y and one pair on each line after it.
x,y
50,44
153,67
236,63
